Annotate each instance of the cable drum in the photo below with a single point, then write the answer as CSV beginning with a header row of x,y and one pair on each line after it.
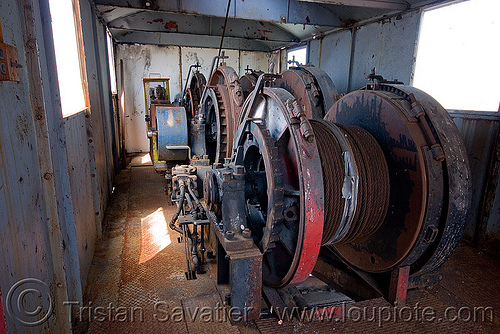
x,y
359,210
332,166
374,183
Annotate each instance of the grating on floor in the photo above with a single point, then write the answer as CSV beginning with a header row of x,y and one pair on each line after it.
x,y
137,283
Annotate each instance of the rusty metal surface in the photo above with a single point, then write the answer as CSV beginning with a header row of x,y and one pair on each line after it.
x,y
457,183
221,104
194,91
433,196
276,126
329,94
9,63
400,139
143,60
399,286
249,80
312,87
227,76
219,126
246,281
353,320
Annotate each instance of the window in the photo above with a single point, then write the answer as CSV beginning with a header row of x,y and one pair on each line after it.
x,y
297,57
458,55
67,57
111,62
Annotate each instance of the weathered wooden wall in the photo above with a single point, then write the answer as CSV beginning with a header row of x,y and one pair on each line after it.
x,y
55,173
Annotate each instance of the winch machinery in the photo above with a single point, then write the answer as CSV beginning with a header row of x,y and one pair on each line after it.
x,y
300,181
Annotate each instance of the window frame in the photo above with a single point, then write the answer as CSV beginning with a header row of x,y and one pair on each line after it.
x,y
75,5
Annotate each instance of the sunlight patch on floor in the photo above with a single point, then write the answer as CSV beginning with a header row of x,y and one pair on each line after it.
x,y
146,159
154,235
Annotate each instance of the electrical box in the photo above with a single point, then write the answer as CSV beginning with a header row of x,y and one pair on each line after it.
x,y
9,63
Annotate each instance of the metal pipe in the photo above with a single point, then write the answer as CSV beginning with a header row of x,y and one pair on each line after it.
x,y
194,247
196,200
185,236
197,65
179,208
190,203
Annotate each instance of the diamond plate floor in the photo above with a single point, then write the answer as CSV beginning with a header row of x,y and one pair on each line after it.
x,y
137,285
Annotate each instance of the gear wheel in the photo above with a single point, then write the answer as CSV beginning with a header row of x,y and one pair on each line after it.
x,y
217,125
222,143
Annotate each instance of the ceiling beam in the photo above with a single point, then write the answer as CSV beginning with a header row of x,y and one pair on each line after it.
x,y
382,4
178,39
276,11
146,20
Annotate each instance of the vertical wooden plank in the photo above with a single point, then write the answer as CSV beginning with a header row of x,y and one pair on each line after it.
x,y
59,225
1,33
97,120
3,325
102,92
82,191
93,171
81,50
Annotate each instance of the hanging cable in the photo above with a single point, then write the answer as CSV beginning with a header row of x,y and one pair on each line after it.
x,y
223,30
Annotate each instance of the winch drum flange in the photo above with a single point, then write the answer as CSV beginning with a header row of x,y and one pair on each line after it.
x,y
272,131
429,174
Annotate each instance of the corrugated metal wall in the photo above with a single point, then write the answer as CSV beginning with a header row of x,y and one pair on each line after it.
x,y
55,173
479,131
143,61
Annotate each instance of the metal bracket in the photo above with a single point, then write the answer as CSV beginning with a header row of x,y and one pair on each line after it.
x,y
399,286
9,63
180,147
419,111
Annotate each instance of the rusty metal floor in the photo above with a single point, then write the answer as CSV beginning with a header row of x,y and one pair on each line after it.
x,y
140,264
